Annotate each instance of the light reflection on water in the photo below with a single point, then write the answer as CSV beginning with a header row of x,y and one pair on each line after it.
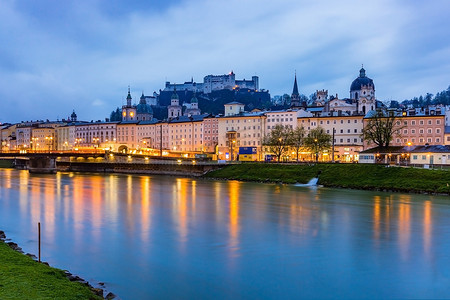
x,y
167,237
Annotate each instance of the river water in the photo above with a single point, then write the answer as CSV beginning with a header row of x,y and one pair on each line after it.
x,y
180,238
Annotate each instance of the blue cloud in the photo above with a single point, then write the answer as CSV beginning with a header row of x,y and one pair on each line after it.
x,y
62,55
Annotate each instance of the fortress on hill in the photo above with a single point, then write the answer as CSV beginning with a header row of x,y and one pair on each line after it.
x,y
215,83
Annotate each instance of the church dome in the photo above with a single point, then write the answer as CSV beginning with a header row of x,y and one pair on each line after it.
x,y
142,108
360,81
194,99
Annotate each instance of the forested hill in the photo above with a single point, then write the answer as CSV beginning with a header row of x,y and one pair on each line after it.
x,y
214,102
429,99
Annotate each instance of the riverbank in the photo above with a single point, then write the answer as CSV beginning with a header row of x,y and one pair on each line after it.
x,y
21,277
353,176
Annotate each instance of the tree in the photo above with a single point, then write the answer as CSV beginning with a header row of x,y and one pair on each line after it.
x,y
115,115
297,139
278,140
381,127
317,141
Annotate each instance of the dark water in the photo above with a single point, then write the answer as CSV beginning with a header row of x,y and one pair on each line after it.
x,y
178,238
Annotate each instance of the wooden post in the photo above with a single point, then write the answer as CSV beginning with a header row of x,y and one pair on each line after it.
x,y
39,241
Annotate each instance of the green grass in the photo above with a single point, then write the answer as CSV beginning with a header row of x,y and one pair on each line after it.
x,y
23,278
6,163
355,176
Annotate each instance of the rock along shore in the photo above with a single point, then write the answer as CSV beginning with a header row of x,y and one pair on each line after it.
x,y
100,292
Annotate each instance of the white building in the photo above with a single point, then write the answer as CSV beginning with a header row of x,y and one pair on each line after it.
x,y
215,83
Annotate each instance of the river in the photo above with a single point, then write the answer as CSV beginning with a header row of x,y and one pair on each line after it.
x,y
182,238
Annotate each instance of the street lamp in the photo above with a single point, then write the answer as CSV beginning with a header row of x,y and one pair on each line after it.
x,y
232,143
49,142
316,149
408,158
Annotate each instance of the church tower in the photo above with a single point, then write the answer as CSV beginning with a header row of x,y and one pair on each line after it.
x,y
362,91
128,111
73,116
295,97
174,109
193,110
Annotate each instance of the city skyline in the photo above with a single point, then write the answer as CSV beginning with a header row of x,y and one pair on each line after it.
x,y
83,56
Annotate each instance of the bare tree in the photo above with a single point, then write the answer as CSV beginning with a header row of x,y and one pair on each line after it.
x,y
317,141
297,139
277,141
381,128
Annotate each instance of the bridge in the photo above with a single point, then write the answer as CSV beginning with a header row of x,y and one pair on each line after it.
x,y
45,161
101,161
31,154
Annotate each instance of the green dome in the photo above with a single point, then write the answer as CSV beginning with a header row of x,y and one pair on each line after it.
x,y
144,109
194,99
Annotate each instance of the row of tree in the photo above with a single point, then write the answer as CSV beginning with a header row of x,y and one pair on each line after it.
x,y
282,139
379,130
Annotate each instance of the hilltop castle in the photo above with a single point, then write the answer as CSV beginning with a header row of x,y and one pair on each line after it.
x,y
215,83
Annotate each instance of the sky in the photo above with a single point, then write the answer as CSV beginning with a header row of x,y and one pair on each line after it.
x,y
59,56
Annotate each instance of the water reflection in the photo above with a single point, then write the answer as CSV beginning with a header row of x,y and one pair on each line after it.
x,y
234,191
230,239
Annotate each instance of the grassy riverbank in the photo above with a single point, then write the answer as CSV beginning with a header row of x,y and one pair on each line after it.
x,y
355,176
6,163
23,278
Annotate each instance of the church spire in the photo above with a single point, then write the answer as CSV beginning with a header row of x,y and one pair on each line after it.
x,y
295,90
129,97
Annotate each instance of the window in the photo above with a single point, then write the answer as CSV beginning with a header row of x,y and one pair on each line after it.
x,y
413,131
415,157
413,122
429,130
405,131
421,122
438,130
438,122
438,140
424,157
430,122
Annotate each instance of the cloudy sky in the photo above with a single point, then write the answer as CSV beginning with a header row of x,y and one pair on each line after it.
x,y
56,56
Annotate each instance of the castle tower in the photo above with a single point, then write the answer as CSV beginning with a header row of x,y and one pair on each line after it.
x,y
321,97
